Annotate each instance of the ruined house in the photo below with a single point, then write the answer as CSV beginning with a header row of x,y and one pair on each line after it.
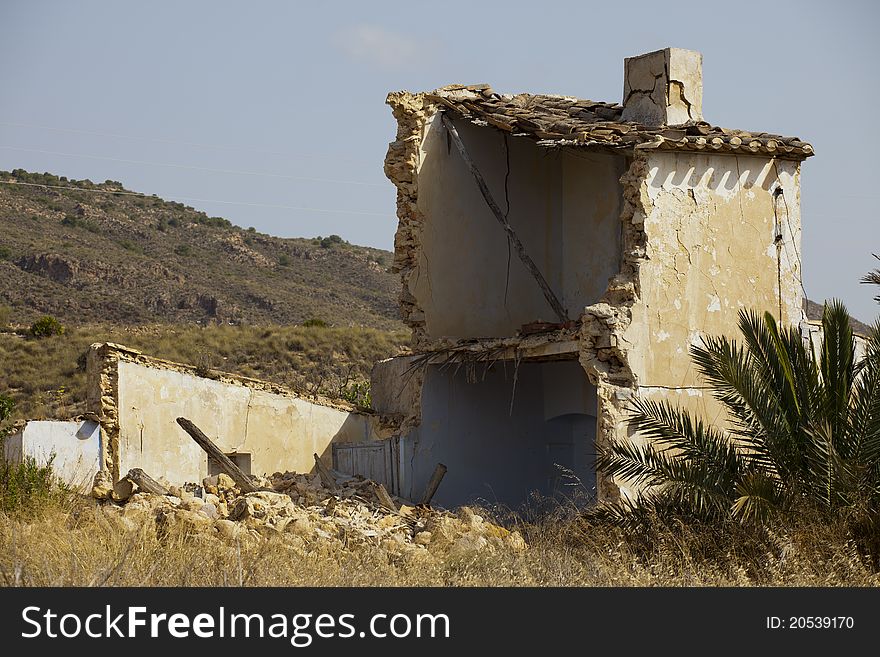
x,y
558,256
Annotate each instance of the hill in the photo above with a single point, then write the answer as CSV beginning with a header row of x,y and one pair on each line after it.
x,y
108,255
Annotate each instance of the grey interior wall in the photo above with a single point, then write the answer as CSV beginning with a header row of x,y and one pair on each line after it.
x,y
497,455
564,206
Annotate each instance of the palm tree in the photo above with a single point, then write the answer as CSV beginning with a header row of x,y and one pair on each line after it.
x,y
873,278
804,429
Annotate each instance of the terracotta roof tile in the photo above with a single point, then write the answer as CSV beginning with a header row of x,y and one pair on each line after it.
x,y
568,121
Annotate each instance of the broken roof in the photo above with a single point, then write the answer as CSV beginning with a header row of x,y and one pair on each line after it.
x,y
568,121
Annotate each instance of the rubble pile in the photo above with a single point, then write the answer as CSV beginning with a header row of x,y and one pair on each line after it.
x,y
350,513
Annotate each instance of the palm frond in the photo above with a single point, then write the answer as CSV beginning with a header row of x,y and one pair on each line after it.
x,y
727,368
873,278
673,431
864,415
757,497
837,363
686,462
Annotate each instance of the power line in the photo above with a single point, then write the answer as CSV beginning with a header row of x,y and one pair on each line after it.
x,y
173,142
195,168
198,200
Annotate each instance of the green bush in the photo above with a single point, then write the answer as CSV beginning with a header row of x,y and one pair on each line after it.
x,y
357,394
182,250
73,221
46,326
214,222
28,487
331,241
7,404
5,315
284,260
5,252
314,322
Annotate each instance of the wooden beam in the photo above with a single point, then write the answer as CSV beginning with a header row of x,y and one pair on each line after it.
x,y
243,482
144,482
433,484
499,215
384,498
327,477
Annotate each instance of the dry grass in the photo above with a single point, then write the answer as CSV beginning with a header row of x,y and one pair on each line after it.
x,y
78,544
46,377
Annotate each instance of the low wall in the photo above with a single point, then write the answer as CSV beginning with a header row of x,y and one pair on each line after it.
x,y
74,448
139,398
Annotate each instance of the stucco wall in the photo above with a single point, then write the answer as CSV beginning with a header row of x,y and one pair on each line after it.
x,y
74,447
564,207
710,251
139,398
279,432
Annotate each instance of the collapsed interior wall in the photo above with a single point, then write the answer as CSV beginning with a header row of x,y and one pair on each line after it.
x,y
138,400
504,432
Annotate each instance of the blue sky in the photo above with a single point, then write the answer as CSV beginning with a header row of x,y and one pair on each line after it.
x,y
272,114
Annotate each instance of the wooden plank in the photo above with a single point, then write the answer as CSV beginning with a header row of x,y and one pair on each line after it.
x,y
384,498
327,477
499,215
433,484
243,482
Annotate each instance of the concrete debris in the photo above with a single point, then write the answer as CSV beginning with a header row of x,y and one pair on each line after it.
x,y
305,511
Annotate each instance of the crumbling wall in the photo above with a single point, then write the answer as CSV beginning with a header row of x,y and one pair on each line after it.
x,y
704,235
138,400
412,112
102,393
604,348
711,223
396,393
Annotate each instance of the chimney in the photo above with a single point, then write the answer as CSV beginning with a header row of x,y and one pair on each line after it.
x,y
664,87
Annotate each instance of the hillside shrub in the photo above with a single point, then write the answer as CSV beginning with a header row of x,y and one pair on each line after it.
x,y
7,404
357,394
46,326
331,241
28,487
